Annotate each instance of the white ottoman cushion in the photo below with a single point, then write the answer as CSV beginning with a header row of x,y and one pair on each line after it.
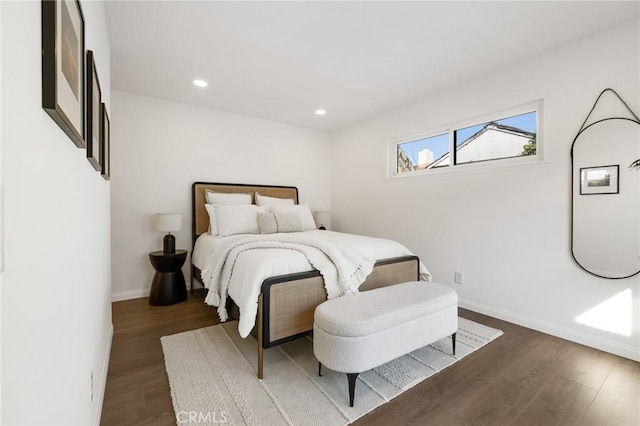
x,y
367,312
356,333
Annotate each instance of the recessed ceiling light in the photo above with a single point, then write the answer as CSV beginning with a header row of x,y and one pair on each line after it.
x,y
320,112
200,83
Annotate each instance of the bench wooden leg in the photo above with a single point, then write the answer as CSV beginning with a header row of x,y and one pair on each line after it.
x,y
453,340
352,386
320,369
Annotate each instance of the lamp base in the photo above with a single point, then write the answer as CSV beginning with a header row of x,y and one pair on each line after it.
x,y
169,244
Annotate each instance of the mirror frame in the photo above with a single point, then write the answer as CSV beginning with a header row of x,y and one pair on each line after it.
x,y
573,185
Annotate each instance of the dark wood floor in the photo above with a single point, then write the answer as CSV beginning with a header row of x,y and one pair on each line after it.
x,y
523,378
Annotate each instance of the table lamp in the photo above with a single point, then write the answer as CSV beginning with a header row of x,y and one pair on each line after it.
x,y
322,219
168,222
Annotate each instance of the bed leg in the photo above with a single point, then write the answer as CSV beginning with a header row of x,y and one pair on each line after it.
x,y
260,349
191,278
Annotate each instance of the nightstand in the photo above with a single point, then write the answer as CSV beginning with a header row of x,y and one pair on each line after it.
x,y
167,287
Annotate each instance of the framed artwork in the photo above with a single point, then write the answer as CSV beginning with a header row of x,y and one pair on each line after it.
x,y
63,66
94,114
105,133
599,180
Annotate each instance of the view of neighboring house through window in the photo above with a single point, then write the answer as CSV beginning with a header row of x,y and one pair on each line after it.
x,y
506,138
513,136
421,154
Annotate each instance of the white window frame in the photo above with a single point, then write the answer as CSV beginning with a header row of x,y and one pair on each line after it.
x,y
501,163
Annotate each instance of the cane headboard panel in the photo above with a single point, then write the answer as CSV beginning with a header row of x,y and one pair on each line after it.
x,y
200,218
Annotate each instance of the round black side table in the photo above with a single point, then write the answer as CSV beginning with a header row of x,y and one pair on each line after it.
x,y
167,287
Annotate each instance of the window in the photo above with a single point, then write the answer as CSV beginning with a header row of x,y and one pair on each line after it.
x,y
422,153
506,136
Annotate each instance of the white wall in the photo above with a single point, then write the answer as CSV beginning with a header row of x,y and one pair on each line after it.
x,y
507,230
160,148
56,311
1,216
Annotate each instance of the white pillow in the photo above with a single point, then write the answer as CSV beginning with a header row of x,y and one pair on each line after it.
x,y
294,218
237,219
263,200
213,226
267,223
222,199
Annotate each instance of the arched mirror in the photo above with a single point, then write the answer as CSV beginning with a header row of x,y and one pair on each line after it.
x,y
605,228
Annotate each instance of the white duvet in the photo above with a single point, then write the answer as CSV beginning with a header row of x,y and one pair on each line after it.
x,y
252,267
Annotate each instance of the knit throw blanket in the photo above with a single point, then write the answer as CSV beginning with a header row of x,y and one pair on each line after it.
x,y
342,268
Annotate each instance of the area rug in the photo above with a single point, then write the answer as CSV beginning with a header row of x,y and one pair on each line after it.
x,y
213,381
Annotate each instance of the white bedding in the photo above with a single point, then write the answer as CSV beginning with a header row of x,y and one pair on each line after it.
x,y
254,266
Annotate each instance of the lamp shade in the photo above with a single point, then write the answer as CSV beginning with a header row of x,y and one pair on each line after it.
x,y
168,222
322,219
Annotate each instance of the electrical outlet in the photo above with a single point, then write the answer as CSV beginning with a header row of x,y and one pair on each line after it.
x,y
459,278
91,387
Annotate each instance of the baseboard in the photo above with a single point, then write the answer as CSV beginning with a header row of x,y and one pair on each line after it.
x,y
616,348
131,294
103,384
143,292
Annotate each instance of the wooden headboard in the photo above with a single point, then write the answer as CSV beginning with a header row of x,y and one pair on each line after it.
x,y
199,216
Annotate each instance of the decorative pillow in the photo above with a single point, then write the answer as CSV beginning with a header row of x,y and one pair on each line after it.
x,y
237,219
293,218
222,199
263,200
267,223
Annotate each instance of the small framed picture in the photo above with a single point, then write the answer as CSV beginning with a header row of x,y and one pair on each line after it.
x,y
63,66
94,114
105,132
599,180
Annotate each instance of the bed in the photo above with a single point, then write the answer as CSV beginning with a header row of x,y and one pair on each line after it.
x,y
286,303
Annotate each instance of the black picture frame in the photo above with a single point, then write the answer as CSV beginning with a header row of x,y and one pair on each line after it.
x,y
63,66
94,114
105,133
600,180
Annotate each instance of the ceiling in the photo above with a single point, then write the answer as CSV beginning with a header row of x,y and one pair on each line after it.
x,y
283,60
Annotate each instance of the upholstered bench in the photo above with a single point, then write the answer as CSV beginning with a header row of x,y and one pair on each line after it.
x,y
356,333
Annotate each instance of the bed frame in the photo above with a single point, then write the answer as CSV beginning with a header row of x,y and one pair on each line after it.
x,y
287,302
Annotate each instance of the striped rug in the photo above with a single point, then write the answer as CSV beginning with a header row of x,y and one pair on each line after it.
x,y
213,381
